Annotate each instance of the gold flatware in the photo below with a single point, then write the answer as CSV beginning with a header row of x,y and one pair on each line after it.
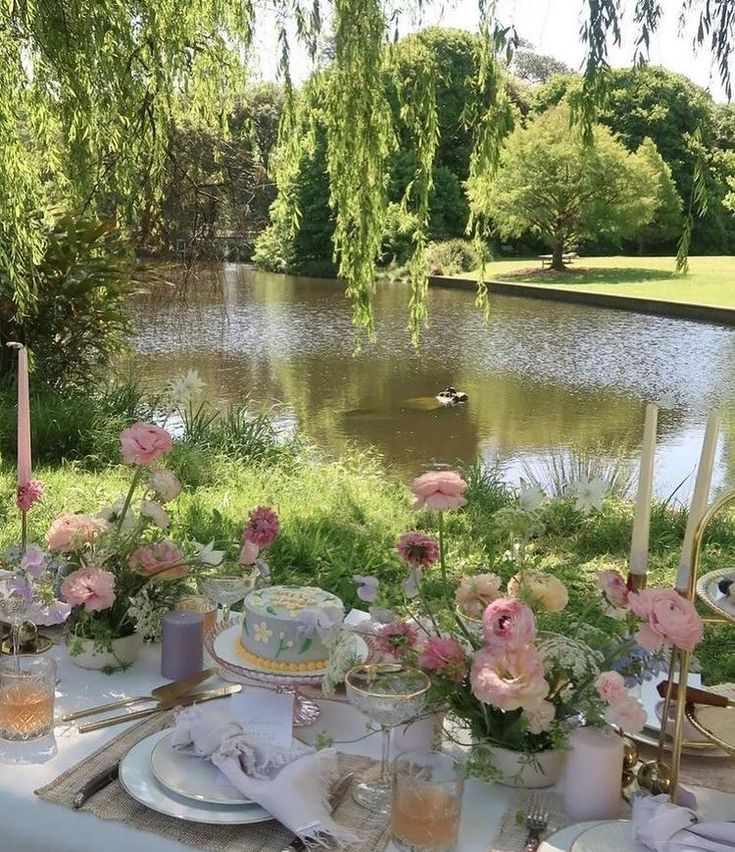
x,y
182,701
165,692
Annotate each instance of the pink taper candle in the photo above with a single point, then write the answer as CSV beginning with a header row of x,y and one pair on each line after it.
x,y
24,420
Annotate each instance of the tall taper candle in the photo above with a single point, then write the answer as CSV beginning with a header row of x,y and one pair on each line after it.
x,y
642,519
24,420
700,497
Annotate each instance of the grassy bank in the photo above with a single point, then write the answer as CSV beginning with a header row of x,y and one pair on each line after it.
x,y
711,280
341,518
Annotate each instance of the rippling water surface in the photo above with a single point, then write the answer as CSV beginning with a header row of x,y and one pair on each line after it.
x,y
539,374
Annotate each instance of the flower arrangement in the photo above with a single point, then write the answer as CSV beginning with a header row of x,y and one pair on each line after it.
x,y
499,664
121,571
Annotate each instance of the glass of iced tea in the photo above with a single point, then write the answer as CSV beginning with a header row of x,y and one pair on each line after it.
x,y
427,801
198,603
27,687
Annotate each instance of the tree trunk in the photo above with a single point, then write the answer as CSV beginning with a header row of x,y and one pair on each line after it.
x,y
557,259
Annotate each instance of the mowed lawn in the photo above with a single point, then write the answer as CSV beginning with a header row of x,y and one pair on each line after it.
x,y
711,280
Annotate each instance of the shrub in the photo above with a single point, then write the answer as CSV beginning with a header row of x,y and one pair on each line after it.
x,y
452,257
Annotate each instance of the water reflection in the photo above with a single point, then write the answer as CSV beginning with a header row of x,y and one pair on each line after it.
x,y
538,375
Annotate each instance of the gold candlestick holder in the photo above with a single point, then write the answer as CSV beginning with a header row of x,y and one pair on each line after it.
x,y
681,660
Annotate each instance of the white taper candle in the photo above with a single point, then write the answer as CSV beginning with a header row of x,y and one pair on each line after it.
x,y
642,519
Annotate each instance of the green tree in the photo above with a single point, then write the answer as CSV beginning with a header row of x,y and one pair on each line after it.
x,y
667,221
552,183
534,67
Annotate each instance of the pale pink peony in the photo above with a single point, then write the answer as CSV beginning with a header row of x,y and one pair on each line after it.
x,y
611,687
70,532
439,490
545,589
628,714
613,587
262,527
396,639
164,561
540,716
248,553
29,494
670,619
508,623
446,656
144,443
509,679
91,587
165,483
475,593
155,512
418,549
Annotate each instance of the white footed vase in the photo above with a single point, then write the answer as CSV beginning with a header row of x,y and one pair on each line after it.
x,y
124,652
542,769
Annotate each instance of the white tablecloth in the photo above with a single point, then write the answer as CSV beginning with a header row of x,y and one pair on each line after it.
x,y
28,824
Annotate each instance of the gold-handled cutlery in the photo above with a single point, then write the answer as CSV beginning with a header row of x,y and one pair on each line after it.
x,y
182,701
161,694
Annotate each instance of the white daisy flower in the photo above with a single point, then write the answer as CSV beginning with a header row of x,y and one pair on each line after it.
x,y
589,493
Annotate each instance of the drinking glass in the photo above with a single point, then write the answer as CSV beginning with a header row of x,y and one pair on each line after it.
x,y
228,589
27,687
198,603
427,801
387,693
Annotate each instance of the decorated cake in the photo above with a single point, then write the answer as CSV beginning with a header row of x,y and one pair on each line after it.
x,y
289,628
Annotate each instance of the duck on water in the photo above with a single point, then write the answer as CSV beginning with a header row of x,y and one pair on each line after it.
x,y
451,396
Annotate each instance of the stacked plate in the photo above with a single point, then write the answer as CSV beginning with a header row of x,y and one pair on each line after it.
x,y
179,784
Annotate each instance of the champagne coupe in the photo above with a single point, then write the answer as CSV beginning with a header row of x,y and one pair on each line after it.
x,y
389,694
228,589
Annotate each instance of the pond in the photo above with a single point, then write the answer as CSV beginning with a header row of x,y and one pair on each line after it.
x,y
539,375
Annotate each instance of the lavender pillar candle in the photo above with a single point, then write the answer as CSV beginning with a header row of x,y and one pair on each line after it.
x,y
182,652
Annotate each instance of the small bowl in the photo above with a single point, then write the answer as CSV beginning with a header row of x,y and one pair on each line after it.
x,y
691,734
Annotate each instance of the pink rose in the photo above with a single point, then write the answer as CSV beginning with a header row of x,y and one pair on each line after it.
x,y
70,532
611,687
439,490
248,553
628,714
91,587
418,550
540,716
613,587
509,679
446,656
475,593
396,639
545,589
508,623
670,619
164,561
262,527
144,443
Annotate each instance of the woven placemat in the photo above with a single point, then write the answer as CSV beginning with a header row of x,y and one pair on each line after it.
x,y
113,803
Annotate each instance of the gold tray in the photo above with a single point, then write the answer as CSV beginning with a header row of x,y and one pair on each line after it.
x,y
709,594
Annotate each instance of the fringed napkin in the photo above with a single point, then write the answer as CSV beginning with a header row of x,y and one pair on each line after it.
x,y
658,825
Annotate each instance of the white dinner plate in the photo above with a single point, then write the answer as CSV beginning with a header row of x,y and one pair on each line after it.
x,y
191,776
612,836
138,780
561,841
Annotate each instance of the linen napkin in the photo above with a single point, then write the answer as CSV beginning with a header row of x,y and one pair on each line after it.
x,y
290,782
665,827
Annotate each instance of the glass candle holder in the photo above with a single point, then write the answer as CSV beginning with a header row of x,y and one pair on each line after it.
x,y
427,801
27,687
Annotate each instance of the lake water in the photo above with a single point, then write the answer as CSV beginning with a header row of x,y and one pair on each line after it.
x,y
539,375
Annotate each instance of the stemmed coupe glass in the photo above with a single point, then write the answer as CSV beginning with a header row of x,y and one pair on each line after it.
x,y
389,694
229,589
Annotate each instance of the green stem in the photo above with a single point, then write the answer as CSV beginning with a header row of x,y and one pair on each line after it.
x,y
129,496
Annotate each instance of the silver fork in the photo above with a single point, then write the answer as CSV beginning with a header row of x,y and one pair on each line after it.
x,y
537,820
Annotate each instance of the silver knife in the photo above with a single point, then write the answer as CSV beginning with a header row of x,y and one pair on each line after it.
x,y
95,784
337,795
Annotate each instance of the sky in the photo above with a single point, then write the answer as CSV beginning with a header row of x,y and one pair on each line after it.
x,y
552,25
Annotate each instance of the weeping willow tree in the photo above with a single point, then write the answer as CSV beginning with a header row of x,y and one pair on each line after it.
x,y
89,92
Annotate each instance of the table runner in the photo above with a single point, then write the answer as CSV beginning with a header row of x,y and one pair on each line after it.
x,y
113,803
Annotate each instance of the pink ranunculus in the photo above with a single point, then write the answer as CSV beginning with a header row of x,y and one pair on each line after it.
x,y
71,532
396,639
446,656
611,687
29,494
165,483
628,714
509,679
613,587
670,619
164,561
475,593
90,587
508,623
540,716
144,443
439,490
418,550
262,527
156,513
248,553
